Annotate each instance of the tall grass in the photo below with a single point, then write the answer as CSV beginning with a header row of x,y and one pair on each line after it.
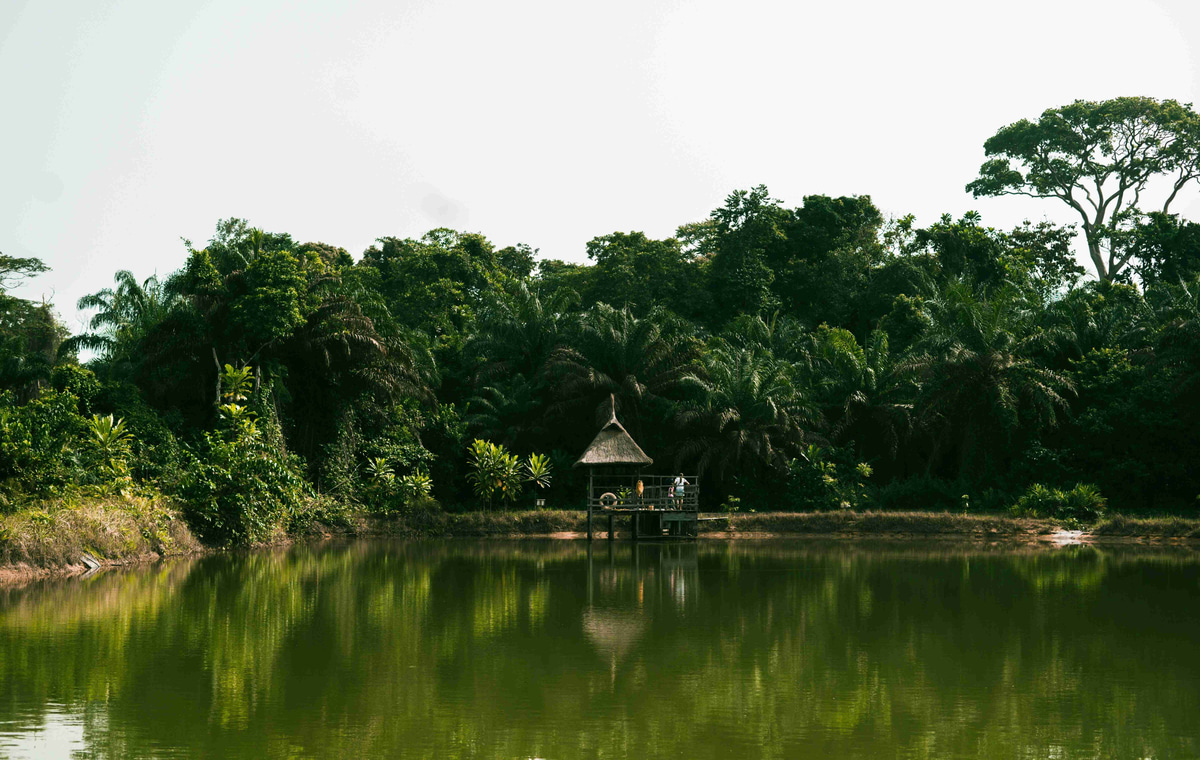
x,y
47,534
883,523
1166,527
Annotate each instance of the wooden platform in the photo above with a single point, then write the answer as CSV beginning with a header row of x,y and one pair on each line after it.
x,y
649,524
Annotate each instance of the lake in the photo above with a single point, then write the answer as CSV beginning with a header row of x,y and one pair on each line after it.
x,y
521,649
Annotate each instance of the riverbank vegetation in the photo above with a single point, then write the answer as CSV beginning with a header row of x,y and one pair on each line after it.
x,y
58,534
816,357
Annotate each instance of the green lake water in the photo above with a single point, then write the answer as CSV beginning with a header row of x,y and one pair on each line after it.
x,y
747,649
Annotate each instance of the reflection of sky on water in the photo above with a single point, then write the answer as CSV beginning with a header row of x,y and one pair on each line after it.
x,y
60,734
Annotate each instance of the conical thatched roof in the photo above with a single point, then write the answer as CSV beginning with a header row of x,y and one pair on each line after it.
x,y
613,446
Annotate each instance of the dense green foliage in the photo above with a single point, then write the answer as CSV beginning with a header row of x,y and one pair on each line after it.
x,y
815,357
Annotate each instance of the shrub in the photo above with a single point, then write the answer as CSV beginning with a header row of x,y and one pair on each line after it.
x,y
38,442
238,488
538,469
423,512
156,454
922,494
830,479
732,504
495,473
237,491
1083,503
415,486
79,381
322,510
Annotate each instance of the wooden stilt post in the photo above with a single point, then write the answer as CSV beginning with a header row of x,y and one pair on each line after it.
x,y
589,502
610,527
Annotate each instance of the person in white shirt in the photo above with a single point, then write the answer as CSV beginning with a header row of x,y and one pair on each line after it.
x,y
678,488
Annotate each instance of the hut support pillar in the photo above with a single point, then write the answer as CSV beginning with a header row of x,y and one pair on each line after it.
x,y
589,503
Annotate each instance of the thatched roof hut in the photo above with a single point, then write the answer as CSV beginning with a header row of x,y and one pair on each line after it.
x,y
613,446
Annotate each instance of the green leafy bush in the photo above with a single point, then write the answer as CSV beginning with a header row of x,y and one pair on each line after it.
x,y
387,494
80,382
416,486
38,443
156,454
495,473
1083,503
538,470
922,494
237,488
319,510
829,479
238,491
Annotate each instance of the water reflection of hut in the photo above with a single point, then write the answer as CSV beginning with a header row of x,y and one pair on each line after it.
x,y
613,633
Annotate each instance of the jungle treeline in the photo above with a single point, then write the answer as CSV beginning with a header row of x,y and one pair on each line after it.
x,y
811,356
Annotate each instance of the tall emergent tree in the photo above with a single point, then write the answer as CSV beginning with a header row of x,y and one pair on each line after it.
x,y
1098,158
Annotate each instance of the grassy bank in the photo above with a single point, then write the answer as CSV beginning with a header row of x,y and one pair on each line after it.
x,y
1148,527
54,537
517,524
551,522
514,524
46,538
884,523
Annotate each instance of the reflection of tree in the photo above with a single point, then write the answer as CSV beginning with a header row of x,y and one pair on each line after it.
x,y
781,649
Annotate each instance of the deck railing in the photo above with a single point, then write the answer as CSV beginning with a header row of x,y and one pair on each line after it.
x,y
657,492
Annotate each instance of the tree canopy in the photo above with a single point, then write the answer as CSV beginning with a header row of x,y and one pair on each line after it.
x,y
1098,158
811,356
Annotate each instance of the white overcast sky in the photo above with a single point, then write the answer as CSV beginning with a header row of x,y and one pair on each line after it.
x,y
127,124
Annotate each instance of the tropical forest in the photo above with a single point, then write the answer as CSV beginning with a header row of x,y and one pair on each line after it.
x,y
802,355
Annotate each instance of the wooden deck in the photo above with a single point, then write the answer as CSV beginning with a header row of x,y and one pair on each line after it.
x,y
649,524
653,504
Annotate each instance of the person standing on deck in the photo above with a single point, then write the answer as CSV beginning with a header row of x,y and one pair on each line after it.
x,y
678,488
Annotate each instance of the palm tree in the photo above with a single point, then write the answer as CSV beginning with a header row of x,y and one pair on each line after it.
x,y
780,335
979,380
518,330
751,411
1100,315
509,412
338,359
124,316
641,362
867,392
1176,335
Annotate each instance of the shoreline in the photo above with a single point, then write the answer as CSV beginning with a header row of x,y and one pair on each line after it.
x,y
899,527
